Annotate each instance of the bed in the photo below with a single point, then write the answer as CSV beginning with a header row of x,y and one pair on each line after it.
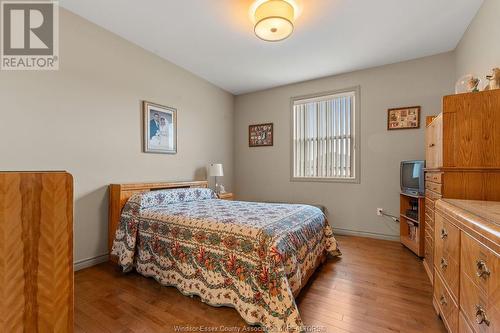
x,y
252,256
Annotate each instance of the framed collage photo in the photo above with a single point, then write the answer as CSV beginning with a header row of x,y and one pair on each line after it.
x,y
260,135
160,128
403,118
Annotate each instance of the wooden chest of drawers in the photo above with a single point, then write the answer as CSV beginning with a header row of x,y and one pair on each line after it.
x,y
467,265
433,185
462,154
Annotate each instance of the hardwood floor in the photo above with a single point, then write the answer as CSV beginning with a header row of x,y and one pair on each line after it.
x,y
376,286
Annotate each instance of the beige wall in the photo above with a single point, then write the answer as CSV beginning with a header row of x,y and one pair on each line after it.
x,y
86,118
264,173
479,50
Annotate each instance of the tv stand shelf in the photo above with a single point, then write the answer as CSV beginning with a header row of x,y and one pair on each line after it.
x,y
407,218
412,233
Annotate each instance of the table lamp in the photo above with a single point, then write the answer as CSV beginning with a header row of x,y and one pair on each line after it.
x,y
215,170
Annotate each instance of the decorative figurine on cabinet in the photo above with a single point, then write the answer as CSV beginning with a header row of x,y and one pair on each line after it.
x,y
494,80
467,83
472,84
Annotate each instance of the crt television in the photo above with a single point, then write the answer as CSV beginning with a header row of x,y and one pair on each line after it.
x,y
412,177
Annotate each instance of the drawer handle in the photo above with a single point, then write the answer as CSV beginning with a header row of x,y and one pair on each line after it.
x,y
443,300
482,269
432,145
481,317
444,263
444,233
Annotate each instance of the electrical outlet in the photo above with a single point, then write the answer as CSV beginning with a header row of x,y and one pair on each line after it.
x,y
379,211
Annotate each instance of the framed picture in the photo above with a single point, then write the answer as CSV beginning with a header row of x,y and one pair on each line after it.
x,y
160,128
260,135
403,118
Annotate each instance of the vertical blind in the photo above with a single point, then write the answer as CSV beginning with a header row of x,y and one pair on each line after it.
x,y
323,137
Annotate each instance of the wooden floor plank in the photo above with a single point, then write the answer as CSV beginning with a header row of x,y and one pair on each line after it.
x,y
376,286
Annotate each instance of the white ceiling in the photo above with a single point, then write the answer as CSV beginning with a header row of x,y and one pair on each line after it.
x,y
214,38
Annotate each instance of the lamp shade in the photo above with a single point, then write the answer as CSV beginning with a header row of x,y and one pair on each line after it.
x,y
274,20
215,170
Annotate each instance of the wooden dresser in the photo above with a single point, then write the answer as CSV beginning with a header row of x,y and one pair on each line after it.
x,y
36,252
467,265
462,157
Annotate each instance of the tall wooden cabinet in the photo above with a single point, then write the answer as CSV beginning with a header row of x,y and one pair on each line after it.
x,y
462,162
36,252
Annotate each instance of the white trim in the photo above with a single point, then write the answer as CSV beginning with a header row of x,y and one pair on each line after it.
x,y
326,180
323,97
89,262
348,232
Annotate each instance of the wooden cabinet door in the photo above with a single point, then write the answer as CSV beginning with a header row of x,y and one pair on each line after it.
x,y
36,252
472,130
429,146
438,141
434,143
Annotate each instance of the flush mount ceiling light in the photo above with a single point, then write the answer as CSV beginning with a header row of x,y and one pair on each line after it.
x,y
273,19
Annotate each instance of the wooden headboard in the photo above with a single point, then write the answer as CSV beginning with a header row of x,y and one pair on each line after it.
x,y
120,193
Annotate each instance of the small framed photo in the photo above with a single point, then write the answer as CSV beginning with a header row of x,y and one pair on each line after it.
x,y
403,118
260,135
160,128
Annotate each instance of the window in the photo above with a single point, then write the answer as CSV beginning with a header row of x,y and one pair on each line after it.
x,y
325,137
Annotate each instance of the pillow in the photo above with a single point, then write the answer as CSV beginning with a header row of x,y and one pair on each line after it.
x,y
166,197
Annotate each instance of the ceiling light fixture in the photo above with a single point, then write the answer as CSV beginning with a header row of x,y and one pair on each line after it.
x,y
274,20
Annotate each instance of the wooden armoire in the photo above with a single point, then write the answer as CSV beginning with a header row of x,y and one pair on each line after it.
x,y
462,155
462,162
36,252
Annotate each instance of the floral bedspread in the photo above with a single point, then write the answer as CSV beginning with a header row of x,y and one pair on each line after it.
x,y
251,256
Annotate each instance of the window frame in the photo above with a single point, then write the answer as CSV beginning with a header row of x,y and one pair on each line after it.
x,y
356,137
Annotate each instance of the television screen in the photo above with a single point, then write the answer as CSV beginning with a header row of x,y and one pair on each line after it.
x,y
410,175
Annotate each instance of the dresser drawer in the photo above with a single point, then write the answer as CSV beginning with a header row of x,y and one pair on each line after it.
x,y
432,195
481,267
446,239
435,187
463,325
429,251
450,272
474,305
447,307
433,177
476,263
429,210
428,176
429,203
429,222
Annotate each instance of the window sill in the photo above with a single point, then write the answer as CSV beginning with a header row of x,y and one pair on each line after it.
x,y
325,180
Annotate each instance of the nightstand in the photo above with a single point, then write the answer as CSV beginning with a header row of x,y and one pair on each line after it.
x,y
226,196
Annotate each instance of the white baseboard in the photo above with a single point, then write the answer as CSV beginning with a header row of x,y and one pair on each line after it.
x,y
348,232
85,263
